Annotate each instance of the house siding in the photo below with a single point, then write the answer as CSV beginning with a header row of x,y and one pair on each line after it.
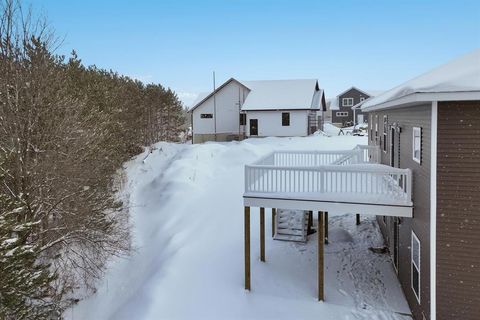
x,y
458,211
270,123
352,93
406,119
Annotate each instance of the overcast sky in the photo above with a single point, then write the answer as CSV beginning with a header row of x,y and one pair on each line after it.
x,y
373,45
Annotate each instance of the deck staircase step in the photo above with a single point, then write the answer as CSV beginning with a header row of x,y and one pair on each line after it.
x,y
291,225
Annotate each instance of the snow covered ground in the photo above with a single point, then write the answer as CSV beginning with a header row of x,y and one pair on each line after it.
x,y
187,213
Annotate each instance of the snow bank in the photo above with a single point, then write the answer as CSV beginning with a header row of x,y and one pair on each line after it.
x,y
187,212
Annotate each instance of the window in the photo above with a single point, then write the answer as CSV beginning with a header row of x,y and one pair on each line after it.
x,y
243,119
342,114
285,119
362,99
417,144
415,249
206,116
385,131
347,102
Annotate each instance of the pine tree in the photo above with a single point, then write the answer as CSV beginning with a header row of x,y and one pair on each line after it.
x,y
25,282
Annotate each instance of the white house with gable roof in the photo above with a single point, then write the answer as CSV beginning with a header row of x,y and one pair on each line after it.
x,y
239,109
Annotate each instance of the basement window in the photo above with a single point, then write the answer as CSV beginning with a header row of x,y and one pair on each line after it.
x,y
415,268
342,114
206,116
285,119
417,144
243,119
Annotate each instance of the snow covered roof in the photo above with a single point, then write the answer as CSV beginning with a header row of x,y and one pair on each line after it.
x,y
201,96
458,79
282,94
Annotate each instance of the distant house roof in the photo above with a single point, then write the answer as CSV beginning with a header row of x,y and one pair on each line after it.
x,y
361,103
458,79
276,95
364,92
283,94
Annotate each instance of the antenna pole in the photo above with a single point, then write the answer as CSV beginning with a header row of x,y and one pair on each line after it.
x,y
214,109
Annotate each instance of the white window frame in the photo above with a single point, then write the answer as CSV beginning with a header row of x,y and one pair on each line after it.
x,y
417,132
362,99
347,104
341,114
414,265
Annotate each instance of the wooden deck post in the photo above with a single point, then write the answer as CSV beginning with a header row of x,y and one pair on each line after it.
x,y
247,247
262,234
274,213
326,227
310,222
358,219
320,241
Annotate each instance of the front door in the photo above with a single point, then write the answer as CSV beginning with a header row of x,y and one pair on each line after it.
x,y
360,119
254,127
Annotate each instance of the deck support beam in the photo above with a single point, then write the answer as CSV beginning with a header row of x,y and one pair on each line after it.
x,y
310,222
247,247
274,213
326,227
320,241
262,234
358,219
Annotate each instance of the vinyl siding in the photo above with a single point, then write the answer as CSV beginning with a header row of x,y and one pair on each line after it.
x,y
406,119
458,211
353,93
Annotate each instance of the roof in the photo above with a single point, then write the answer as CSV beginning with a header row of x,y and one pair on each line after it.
x,y
282,94
364,92
360,104
203,97
451,81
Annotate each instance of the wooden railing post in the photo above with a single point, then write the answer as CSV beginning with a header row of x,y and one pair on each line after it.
x,y
320,261
247,247
273,221
326,227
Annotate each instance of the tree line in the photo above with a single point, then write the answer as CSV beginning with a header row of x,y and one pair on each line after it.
x,y
65,131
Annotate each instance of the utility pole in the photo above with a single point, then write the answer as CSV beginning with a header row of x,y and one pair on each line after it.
x,y
214,109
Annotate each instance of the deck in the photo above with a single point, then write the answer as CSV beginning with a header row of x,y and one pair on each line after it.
x,y
350,181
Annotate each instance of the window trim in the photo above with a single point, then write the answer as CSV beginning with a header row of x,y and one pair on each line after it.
x,y
345,104
206,115
385,133
362,99
341,113
412,263
419,159
286,121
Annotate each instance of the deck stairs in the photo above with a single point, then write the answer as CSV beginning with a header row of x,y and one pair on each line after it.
x,y
291,225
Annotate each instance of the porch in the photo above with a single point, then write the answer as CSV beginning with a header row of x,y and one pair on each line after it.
x,y
350,181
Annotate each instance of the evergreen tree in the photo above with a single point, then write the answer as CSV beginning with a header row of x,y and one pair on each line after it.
x,y
25,285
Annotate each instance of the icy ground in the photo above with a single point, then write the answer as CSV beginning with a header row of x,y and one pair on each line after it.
x,y
187,216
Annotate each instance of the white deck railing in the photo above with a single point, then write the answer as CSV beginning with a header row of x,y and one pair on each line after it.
x,y
321,174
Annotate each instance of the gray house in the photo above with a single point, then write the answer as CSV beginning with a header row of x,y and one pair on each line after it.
x,y
341,106
431,125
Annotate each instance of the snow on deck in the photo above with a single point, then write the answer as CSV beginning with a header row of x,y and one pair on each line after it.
x,y
187,216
